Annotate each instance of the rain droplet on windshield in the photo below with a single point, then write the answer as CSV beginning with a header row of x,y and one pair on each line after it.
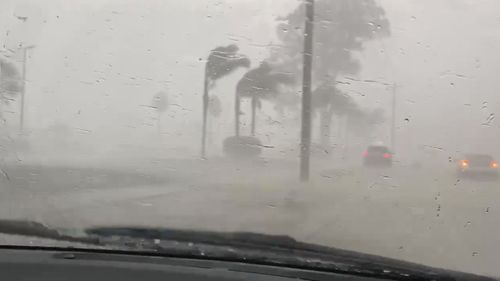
x,y
490,119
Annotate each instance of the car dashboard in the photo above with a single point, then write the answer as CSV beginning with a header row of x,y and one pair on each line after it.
x,y
54,265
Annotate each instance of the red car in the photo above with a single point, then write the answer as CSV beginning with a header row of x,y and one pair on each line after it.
x,y
377,155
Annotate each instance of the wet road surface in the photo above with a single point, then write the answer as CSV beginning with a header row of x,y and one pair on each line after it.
x,y
424,215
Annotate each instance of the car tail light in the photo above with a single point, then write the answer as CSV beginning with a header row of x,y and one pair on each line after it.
x,y
494,165
464,163
387,155
365,154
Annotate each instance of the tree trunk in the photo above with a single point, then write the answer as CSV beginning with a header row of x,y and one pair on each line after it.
x,y
205,109
237,102
340,125
346,138
210,132
2,119
325,122
346,130
159,123
254,109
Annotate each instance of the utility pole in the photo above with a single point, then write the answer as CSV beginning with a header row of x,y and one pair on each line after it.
x,y
393,121
205,112
305,145
23,90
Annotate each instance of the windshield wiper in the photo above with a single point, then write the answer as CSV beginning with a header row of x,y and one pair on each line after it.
x,y
272,250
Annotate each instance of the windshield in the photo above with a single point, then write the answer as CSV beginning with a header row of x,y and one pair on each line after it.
x,y
253,115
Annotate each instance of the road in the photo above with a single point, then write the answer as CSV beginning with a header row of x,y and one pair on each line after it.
x,y
424,215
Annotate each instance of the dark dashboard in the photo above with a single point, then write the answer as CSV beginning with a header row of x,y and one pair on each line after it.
x,y
54,265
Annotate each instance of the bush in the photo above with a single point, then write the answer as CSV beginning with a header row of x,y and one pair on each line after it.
x,y
242,147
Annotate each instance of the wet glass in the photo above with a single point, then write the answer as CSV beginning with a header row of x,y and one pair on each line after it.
x,y
188,114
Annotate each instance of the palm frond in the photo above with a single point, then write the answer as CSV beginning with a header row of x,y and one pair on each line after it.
x,y
327,95
222,61
262,82
10,80
8,69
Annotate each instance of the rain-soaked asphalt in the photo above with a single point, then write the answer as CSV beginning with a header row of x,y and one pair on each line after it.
x,y
419,214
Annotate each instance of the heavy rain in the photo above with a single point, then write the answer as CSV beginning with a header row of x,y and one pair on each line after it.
x,y
189,114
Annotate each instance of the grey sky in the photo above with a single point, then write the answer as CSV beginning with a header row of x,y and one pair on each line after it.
x,y
98,63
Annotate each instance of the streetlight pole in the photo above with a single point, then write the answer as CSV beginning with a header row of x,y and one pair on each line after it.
x,y
393,121
205,112
305,145
23,90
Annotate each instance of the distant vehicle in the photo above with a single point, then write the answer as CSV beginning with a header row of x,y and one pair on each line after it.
x,y
377,155
478,166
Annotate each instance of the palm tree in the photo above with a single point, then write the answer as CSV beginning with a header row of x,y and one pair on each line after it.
x,y
221,62
257,84
329,101
160,104
10,82
214,111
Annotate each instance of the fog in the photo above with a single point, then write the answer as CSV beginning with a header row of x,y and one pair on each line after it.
x,y
96,67
93,71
